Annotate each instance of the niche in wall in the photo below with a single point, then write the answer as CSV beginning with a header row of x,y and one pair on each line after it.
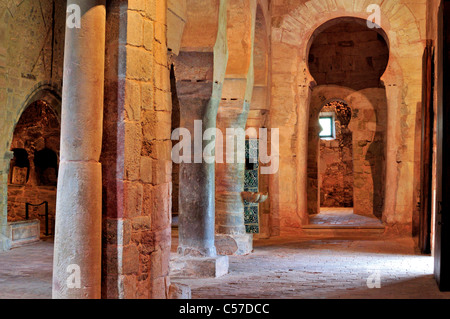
x,y
20,167
46,167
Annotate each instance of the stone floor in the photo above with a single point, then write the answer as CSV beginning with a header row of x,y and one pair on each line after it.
x,y
342,216
293,268
278,268
26,272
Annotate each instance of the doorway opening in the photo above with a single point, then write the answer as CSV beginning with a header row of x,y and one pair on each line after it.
x,y
347,125
33,175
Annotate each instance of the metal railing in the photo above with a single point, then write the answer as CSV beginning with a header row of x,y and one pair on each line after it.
x,y
27,214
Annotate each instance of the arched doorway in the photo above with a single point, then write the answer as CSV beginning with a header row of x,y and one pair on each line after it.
x,y
346,165
335,160
33,174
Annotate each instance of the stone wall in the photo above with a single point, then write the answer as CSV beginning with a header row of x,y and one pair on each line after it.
x,y
336,161
368,154
31,62
38,130
136,152
293,25
368,126
348,54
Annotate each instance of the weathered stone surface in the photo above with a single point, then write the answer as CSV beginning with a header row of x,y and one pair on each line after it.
x,y
79,201
198,267
179,291
24,232
237,244
135,149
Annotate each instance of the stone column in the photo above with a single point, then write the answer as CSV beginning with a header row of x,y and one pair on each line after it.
x,y
5,241
77,252
304,92
392,138
231,237
195,86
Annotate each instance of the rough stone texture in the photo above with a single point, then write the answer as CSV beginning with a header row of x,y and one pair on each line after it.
x,y
336,161
230,181
136,152
136,144
348,54
324,268
198,267
280,268
199,76
179,291
197,103
367,126
293,25
31,63
237,244
24,232
37,130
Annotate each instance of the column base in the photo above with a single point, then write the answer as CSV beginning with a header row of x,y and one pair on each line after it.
x,y
198,267
234,244
5,243
179,291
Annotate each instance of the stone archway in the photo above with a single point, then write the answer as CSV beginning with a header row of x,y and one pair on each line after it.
x,y
47,95
369,135
330,159
291,91
345,55
33,173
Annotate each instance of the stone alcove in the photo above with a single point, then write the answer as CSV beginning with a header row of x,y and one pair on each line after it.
x,y
34,166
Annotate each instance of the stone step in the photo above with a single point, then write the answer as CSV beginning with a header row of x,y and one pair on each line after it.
x,y
341,231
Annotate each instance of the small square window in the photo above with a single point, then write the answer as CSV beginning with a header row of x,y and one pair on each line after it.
x,y
326,122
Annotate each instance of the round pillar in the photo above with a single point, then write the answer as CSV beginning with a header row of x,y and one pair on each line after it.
x,y
77,252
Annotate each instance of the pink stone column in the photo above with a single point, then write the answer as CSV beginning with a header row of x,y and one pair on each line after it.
x,y
231,236
392,138
77,252
302,151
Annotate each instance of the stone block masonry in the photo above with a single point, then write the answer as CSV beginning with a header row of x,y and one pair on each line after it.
x,y
136,154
